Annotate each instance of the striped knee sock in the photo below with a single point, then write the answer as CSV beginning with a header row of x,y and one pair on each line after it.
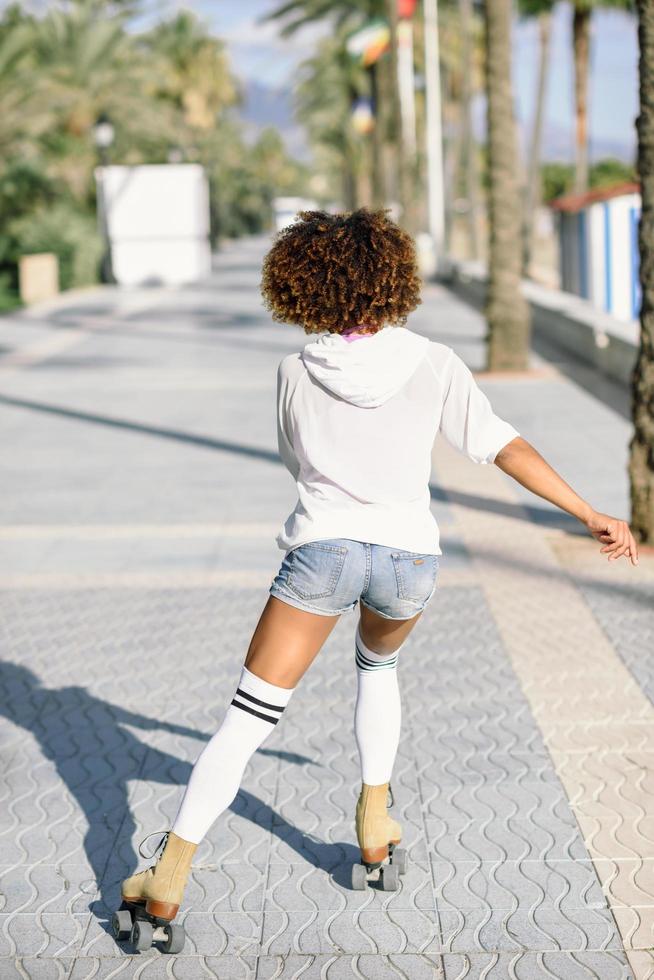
x,y
254,711
378,714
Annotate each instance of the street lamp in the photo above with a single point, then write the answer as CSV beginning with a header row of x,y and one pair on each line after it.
x,y
103,137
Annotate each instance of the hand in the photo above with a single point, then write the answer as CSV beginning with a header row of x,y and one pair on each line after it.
x,y
614,535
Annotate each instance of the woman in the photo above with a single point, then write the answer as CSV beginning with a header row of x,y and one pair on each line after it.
x,y
358,410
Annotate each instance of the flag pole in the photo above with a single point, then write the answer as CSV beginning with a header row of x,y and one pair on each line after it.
x,y
435,190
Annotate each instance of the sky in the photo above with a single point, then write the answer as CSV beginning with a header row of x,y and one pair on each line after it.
x,y
258,54
613,95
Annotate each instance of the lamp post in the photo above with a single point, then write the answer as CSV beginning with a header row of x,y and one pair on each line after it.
x,y
103,137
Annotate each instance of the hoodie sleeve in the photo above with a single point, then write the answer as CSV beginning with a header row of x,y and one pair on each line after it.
x,y
468,422
284,443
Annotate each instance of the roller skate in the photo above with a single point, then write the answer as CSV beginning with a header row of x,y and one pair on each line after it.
x,y
151,898
378,836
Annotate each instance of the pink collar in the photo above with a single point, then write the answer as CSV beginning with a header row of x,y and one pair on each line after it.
x,y
351,333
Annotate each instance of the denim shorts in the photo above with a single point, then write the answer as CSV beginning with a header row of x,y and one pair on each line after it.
x,y
331,575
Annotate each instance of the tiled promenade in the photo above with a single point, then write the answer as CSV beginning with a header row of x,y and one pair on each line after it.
x,y
141,491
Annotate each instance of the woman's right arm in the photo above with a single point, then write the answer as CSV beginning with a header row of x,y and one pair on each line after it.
x,y
469,423
526,465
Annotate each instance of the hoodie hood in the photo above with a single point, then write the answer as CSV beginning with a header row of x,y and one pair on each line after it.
x,y
369,371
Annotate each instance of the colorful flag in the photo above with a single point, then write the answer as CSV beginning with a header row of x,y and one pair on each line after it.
x,y
363,117
369,42
406,8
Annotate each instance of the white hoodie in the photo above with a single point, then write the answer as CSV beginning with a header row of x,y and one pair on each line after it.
x,y
356,422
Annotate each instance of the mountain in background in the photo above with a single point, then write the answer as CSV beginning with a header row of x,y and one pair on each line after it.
x,y
265,106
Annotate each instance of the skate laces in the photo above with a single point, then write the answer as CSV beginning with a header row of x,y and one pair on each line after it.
x,y
159,845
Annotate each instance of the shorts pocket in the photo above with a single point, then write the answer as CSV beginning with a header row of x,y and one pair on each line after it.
x,y
415,575
315,568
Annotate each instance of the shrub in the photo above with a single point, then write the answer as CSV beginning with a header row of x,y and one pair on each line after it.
x,y
71,234
9,299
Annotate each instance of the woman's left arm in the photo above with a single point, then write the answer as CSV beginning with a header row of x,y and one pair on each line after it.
x,y
525,464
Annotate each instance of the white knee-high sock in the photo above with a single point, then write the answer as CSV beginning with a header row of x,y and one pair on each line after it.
x,y
255,710
378,713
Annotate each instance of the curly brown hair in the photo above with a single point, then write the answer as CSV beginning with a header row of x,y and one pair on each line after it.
x,y
334,271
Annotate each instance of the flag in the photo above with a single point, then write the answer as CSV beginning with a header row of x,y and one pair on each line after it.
x,y
363,117
406,9
369,42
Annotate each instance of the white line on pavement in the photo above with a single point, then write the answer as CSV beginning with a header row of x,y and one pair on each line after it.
x,y
32,532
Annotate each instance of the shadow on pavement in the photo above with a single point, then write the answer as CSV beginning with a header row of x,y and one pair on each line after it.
x,y
206,442
293,757
96,757
93,754
517,511
198,317
533,514
639,593
609,393
144,332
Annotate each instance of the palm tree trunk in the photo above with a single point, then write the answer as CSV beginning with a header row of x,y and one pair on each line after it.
x,y
469,148
376,140
388,134
533,190
507,311
581,43
350,191
349,180
452,171
641,462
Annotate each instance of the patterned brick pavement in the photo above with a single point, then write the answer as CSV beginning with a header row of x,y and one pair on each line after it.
x,y
142,494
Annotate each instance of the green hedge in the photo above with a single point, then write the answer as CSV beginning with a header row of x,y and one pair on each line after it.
x,y
71,235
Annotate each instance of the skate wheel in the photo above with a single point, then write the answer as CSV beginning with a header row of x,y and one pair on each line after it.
x,y
141,936
121,924
400,860
359,878
390,878
175,938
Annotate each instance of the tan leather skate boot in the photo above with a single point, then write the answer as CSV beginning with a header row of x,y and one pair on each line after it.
x,y
375,829
161,886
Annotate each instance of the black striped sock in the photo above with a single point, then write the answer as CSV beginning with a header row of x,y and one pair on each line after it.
x,y
257,707
368,660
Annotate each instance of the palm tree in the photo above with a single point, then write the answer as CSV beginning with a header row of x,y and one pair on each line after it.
x,y
581,20
347,15
641,462
542,10
327,84
16,65
87,64
196,76
507,312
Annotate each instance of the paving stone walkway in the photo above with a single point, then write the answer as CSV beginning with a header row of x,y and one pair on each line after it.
x,y
141,495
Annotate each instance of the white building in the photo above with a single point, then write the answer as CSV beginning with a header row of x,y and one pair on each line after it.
x,y
598,247
156,218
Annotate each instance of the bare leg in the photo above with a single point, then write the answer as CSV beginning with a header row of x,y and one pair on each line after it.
x,y
285,642
384,635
